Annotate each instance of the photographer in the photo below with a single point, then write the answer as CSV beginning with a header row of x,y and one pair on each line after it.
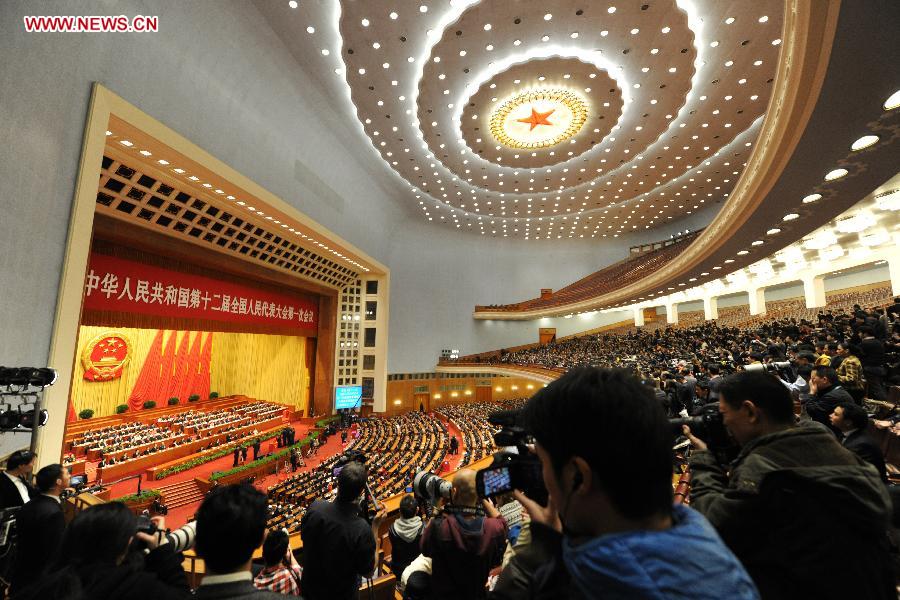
x,y
793,496
282,572
610,528
339,546
98,556
39,527
463,543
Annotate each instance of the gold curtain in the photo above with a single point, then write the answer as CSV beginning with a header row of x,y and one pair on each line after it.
x,y
265,367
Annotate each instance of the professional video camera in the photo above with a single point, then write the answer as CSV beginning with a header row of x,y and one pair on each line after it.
x,y
514,467
709,427
181,539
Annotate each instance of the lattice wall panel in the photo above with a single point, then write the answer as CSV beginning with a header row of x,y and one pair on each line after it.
x,y
127,194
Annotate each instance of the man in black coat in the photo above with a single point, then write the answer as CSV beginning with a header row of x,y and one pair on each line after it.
x,y
256,446
15,484
825,396
853,422
40,526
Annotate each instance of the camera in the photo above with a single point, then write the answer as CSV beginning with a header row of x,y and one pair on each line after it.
x,y
709,426
180,539
430,488
771,367
514,467
366,510
346,458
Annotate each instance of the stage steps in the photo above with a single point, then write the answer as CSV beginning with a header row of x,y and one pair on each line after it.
x,y
181,493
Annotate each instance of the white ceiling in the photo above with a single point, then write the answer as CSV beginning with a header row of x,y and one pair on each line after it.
x,y
675,92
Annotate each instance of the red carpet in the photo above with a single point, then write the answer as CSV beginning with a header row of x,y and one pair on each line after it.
x,y
179,516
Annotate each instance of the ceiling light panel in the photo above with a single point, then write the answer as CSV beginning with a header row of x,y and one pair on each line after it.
x,y
660,106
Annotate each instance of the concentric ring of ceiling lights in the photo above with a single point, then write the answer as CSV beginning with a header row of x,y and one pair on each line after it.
x,y
538,119
687,89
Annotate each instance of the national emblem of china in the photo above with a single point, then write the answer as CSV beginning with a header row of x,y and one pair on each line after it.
x,y
105,357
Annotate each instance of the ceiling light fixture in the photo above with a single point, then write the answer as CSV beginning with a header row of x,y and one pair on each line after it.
x,y
812,198
893,101
864,142
835,174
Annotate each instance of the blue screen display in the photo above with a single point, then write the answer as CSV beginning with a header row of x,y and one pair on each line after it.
x,y
347,396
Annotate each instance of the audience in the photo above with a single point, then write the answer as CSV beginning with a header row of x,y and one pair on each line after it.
x,y
793,497
853,422
282,572
231,524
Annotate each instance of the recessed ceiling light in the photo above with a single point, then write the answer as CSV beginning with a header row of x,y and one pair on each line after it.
x,y
727,261
423,9
548,16
393,16
892,102
611,9
145,152
376,45
812,198
163,162
487,26
835,174
864,142
763,19
362,71
729,20
293,4
545,38
635,31
325,52
773,231
790,217
365,22
776,42
714,43
125,143
757,243
489,47
178,170
310,29
743,252
516,42
574,35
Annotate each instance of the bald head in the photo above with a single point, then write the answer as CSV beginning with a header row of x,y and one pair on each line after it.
x,y
464,493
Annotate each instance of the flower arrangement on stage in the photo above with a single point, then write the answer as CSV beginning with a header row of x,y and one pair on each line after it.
x,y
281,454
173,401
86,413
121,409
139,498
200,460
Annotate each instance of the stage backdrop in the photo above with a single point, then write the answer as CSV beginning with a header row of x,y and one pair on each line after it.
x,y
160,364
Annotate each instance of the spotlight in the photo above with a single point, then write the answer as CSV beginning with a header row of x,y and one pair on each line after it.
x,y
29,420
42,377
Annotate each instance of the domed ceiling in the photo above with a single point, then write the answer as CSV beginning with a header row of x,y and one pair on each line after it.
x,y
551,120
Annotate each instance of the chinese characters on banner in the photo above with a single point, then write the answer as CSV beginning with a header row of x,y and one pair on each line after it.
x,y
116,284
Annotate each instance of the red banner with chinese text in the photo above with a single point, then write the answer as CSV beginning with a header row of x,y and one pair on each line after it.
x,y
116,284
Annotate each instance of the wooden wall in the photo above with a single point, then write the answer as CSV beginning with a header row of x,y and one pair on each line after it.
x,y
500,388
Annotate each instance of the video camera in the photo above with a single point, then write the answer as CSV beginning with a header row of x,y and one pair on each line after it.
x,y
514,467
771,367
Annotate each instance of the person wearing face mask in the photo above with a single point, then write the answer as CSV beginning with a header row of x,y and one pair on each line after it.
x,y
791,497
611,529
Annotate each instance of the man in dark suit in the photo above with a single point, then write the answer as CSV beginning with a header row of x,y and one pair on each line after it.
x,y
39,527
231,524
15,484
256,446
853,422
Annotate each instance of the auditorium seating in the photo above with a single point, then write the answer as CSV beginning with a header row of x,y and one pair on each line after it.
x,y
603,281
